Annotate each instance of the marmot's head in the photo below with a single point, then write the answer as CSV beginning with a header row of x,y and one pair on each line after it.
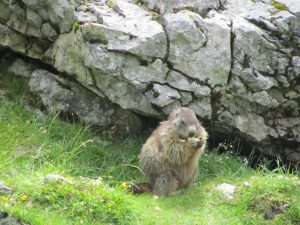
x,y
185,122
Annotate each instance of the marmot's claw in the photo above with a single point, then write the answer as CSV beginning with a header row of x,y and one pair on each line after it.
x,y
200,143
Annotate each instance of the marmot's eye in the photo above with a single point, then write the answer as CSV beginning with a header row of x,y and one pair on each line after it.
x,y
182,122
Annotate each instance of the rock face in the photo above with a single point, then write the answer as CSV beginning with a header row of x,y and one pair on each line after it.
x,y
234,62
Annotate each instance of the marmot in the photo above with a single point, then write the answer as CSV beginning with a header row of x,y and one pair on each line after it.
x,y
170,155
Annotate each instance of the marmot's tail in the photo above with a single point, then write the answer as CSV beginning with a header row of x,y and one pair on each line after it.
x,y
141,188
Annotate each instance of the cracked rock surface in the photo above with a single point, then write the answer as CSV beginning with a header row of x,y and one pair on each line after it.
x,y
236,63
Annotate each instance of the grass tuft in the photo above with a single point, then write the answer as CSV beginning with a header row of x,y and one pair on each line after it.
x,y
279,6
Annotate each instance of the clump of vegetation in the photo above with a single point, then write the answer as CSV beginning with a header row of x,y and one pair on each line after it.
x,y
84,201
269,192
279,6
76,26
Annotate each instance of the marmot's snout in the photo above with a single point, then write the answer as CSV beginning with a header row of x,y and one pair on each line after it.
x,y
192,131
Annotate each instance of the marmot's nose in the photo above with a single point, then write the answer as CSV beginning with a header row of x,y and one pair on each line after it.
x,y
191,133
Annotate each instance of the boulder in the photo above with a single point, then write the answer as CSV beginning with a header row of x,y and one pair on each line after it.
x,y
62,95
226,189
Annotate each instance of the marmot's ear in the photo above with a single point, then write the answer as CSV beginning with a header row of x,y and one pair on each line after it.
x,y
174,114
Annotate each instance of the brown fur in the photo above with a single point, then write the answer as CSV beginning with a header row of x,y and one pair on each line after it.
x,y
170,155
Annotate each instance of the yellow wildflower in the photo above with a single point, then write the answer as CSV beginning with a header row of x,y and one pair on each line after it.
x,y
124,185
24,197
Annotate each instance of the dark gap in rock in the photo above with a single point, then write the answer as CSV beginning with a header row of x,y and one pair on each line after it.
x,y
247,62
19,2
229,142
30,99
158,109
222,6
232,37
205,12
3,214
188,8
55,27
98,41
64,86
247,151
47,67
201,82
156,94
258,23
93,78
163,24
142,61
155,8
149,122
148,88
68,116
131,36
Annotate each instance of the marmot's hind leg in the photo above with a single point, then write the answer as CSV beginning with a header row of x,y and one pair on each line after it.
x,y
165,184
192,180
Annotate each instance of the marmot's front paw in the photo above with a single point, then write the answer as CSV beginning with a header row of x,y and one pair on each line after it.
x,y
195,142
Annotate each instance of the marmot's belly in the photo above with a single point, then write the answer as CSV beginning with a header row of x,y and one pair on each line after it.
x,y
184,174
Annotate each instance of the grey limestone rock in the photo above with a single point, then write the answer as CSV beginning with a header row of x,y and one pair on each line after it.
x,y
256,81
4,189
226,189
21,68
252,126
65,96
55,179
196,52
162,95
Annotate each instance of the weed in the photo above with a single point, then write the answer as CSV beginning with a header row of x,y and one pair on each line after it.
x,y
279,6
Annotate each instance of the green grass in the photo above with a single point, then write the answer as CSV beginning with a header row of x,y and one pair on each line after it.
x,y
98,169
279,6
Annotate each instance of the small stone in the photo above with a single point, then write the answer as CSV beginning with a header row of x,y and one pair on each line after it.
x,y
157,208
5,190
54,179
155,197
246,184
227,189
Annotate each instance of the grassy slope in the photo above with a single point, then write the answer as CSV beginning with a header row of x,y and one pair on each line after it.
x,y
31,147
